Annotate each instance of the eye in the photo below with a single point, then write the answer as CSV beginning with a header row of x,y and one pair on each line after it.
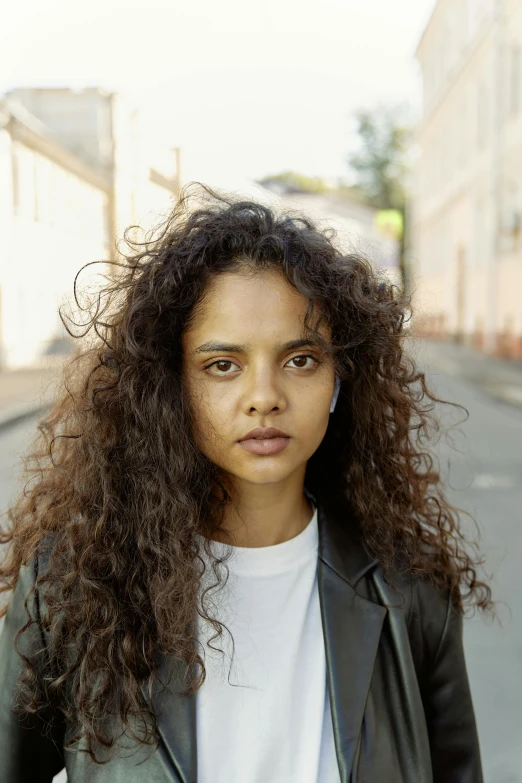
x,y
305,356
220,362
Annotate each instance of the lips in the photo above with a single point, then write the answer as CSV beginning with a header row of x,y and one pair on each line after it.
x,y
264,433
264,441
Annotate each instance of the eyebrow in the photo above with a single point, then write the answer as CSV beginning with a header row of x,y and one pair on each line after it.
x,y
291,345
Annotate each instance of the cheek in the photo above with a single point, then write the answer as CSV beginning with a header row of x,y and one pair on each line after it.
x,y
212,418
320,425
314,419
315,406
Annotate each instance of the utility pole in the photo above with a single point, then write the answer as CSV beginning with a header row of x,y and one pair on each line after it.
x,y
177,178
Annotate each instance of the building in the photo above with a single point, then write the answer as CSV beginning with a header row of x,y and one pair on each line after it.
x,y
76,169
466,201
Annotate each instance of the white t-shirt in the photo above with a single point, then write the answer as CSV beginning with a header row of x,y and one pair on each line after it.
x,y
266,718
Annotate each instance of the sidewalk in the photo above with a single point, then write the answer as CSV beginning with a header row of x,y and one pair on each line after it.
x,y
28,392
502,378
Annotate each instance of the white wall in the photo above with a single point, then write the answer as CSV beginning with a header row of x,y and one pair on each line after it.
x,y
56,224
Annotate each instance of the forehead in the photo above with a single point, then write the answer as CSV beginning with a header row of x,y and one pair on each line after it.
x,y
250,307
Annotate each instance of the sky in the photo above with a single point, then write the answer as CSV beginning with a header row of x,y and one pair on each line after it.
x,y
247,89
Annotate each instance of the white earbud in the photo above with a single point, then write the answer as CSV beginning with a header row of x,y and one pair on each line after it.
x,y
335,393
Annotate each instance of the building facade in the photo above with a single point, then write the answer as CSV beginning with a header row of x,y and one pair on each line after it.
x,y
75,171
466,201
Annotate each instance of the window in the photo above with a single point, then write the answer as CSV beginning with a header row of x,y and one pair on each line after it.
x,y
482,115
24,181
43,189
16,180
478,254
514,91
462,132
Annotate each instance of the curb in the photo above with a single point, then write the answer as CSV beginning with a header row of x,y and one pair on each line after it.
x,y
510,394
20,413
501,382
31,394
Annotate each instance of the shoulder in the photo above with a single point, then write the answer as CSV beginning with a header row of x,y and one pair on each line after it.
x,y
37,565
432,610
427,609
28,593
45,550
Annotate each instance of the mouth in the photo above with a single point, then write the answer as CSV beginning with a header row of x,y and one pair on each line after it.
x,y
264,440
265,446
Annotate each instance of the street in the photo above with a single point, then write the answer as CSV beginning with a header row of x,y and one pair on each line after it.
x,y
482,465
485,468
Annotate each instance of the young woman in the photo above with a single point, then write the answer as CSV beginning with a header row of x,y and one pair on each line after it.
x,y
235,561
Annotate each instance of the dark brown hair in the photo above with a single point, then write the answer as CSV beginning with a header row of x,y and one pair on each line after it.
x,y
118,489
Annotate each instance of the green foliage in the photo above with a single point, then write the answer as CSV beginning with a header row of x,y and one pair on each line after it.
x,y
292,181
382,161
390,222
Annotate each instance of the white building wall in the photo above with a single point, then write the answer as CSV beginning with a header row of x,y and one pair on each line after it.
x,y
56,223
6,225
65,196
467,201
138,200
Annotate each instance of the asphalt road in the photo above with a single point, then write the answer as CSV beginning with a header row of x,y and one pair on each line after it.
x,y
481,464
481,461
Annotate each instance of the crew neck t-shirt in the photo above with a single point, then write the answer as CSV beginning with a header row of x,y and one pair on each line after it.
x,y
264,715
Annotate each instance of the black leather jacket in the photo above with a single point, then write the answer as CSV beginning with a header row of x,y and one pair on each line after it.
x,y
400,699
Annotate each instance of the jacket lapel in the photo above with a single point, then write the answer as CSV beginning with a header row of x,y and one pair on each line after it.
x,y
351,628
176,716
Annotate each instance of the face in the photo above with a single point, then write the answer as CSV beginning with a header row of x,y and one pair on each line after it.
x,y
247,364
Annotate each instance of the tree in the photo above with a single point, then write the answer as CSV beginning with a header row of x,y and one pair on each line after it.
x,y
292,182
382,162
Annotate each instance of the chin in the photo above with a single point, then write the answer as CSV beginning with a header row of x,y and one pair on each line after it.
x,y
264,474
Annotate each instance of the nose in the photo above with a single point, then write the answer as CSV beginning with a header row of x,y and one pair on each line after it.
x,y
263,393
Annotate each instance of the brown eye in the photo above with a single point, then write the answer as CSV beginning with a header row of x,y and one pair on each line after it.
x,y
219,363
303,359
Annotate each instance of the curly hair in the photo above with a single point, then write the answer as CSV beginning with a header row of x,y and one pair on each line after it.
x,y
118,490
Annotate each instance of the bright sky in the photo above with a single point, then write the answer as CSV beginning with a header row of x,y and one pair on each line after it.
x,y
246,88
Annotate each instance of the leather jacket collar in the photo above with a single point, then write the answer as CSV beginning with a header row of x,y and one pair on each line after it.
x,y
351,626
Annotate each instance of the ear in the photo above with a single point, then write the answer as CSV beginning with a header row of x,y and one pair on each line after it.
x,y
335,393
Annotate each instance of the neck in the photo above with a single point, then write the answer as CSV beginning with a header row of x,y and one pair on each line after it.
x,y
265,514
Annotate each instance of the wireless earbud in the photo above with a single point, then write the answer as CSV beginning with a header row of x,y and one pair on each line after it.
x,y
335,393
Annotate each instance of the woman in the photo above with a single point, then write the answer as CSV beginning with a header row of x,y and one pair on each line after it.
x,y
240,448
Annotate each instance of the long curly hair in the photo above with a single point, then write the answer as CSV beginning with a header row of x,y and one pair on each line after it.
x,y
117,490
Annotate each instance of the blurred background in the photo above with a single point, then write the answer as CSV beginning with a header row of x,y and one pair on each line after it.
x,y
398,124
